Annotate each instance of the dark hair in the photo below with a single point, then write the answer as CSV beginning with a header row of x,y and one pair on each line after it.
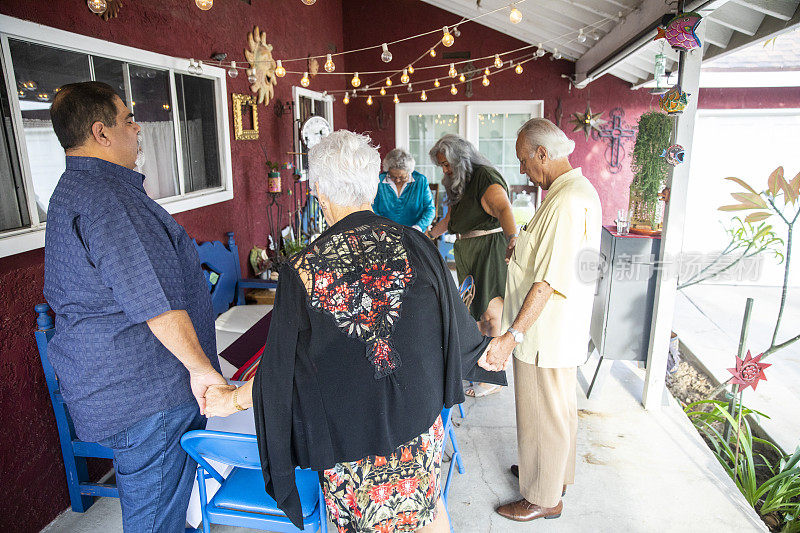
x,y
79,105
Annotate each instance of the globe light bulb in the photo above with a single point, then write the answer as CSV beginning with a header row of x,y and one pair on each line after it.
x,y
383,91
304,81
515,16
386,55
252,78
497,61
436,82
452,72
433,52
518,69
279,70
462,78
329,66
453,89
447,37
486,71
423,96
233,71
581,36
97,6
369,100
356,81
594,35
396,100
411,69
539,50
556,54
409,88
346,99
205,5
309,2
404,78
485,81
198,67
388,81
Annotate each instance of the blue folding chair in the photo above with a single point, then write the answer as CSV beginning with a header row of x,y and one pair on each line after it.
x,y
455,458
241,499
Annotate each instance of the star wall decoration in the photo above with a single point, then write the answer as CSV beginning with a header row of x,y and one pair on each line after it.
x,y
587,121
749,372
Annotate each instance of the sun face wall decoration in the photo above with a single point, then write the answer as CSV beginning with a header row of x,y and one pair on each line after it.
x,y
262,66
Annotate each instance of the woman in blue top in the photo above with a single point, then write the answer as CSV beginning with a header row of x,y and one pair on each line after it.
x,y
403,194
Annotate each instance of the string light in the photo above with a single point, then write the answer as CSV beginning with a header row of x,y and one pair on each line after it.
x,y
594,35
436,82
447,38
304,81
329,66
383,91
346,99
369,100
205,5
404,78
556,54
452,72
252,78
515,16
540,50
462,78
518,68
386,55
396,100
233,71
165,107
433,52
388,82
279,70
423,96
581,36
411,69
453,90
485,81
498,63
356,81
410,88
486,71
97,7
309,2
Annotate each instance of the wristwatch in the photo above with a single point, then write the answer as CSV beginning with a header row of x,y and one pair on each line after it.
x,y
518,336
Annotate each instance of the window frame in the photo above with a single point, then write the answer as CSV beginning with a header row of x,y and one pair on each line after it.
x,y
32,237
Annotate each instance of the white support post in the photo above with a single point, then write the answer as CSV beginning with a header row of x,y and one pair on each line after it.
x,y
672,236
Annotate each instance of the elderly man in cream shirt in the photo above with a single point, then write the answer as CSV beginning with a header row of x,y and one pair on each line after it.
x,y
546,317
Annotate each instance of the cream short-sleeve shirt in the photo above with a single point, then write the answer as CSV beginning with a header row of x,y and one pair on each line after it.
x,y
564,231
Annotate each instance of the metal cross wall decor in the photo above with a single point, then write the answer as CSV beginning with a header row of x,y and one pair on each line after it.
x,y
616,135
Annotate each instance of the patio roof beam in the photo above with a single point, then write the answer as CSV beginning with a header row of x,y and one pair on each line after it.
x,y
738,17
780,9
771,27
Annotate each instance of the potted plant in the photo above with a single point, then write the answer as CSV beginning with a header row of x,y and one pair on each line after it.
x,y
650,172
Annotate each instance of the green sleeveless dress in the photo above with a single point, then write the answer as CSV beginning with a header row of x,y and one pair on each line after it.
x,y
483,257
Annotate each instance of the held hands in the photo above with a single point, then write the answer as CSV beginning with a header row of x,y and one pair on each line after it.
x,y
498,354
200,381
219,400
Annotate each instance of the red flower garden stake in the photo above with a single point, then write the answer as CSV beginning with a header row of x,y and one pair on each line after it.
x,y
748,372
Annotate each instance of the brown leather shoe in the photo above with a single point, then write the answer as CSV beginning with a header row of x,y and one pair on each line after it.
x,y
525,511
515,471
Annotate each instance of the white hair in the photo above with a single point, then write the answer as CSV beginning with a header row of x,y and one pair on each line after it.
x,y
399,159
345,164
541,132
463,157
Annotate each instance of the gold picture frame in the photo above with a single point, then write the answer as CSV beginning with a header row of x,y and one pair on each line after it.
x,y
239,101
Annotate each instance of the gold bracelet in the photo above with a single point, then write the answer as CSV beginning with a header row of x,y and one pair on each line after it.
x,y
236,401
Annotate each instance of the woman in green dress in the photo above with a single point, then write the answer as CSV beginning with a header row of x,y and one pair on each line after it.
x,y
479,214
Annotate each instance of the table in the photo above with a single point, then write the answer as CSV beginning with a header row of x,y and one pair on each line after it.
x,y
241,422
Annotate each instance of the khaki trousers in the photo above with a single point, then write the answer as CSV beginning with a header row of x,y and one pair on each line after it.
x,y
547,422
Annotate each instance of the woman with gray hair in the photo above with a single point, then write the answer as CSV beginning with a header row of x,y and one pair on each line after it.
x,y
403,193
480,216
368,341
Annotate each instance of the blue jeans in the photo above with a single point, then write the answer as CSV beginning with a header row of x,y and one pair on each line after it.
x,y
154,474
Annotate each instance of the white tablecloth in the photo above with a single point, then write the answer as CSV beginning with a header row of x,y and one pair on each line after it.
x,y
241,422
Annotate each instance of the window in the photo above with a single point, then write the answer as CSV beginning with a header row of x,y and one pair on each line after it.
x,y
183,117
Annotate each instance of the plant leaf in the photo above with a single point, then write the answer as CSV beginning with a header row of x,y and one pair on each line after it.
x,y
752,199
737,207
794,185
772,181
743,184
758,216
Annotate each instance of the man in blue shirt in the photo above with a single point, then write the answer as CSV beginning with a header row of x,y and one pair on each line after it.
x,y
403,194
134,347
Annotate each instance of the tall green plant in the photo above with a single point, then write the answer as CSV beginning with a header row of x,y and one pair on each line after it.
x,y
650,169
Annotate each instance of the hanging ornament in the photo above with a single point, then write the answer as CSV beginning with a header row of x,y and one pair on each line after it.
x,y
329,66
98,7
540,50
396,100
447,37
404,78
452,72
304,81
279,70
453,89
515,16
518,69
205,5
233,71
462,78
674,101
432,52
587,121
436,82
674,154
262,66
386,55
660,74
423,96
749,372
498,63
356,81
411,69
369,100
485,81
383,91
680,31
346,99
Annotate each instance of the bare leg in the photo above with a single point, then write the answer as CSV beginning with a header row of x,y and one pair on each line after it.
x,y
441,524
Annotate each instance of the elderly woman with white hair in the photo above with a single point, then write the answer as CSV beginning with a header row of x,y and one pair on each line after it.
x,y
479,214
368,342
403,193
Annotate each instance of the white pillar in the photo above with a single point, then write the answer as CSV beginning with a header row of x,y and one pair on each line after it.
x,y
672,235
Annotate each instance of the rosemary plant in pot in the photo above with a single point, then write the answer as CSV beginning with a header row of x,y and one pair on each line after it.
x,y
650,173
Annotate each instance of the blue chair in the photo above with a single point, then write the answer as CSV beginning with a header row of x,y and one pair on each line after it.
x,y
455,458
74,450
241,499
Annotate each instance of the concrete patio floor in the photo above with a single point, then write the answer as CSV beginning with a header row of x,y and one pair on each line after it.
x,y
708,319
637,471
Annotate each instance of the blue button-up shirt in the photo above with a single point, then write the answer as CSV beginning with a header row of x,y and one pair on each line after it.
x,y
114,259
